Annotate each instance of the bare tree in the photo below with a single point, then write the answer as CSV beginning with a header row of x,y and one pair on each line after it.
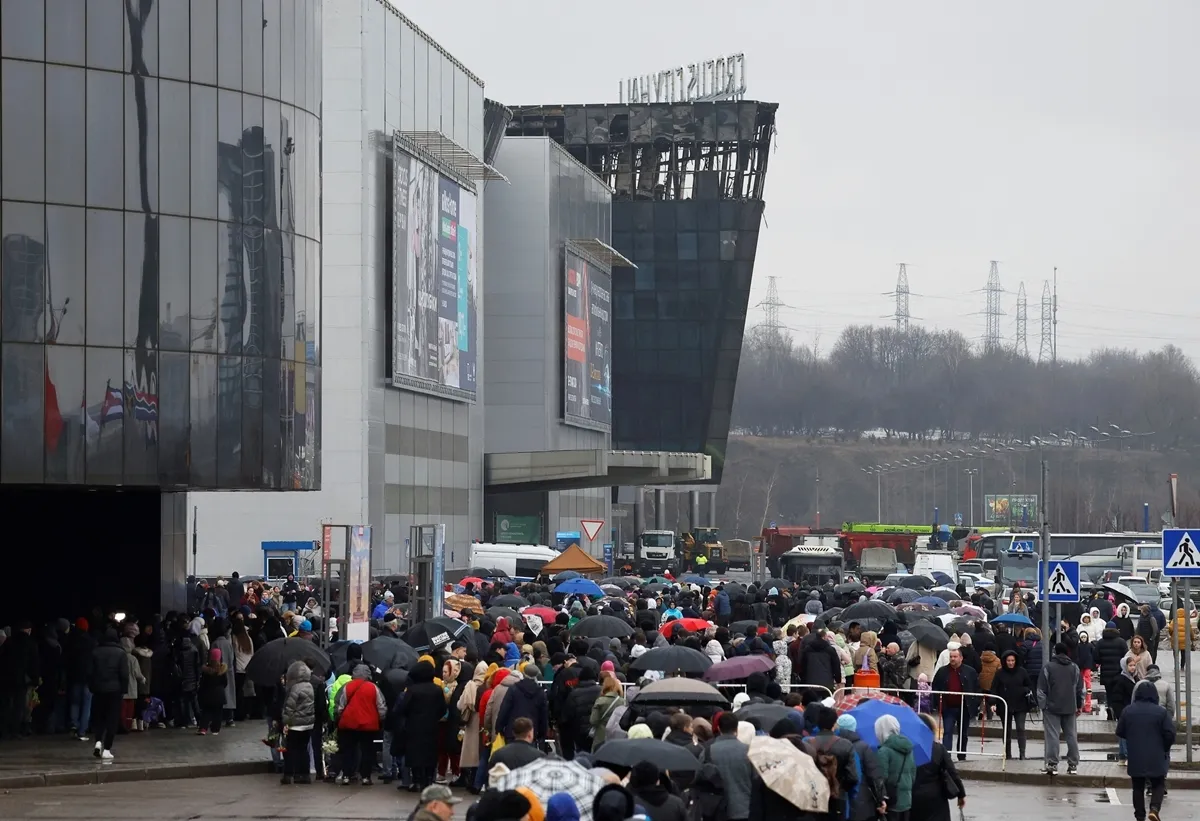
x,y
737,508
767,494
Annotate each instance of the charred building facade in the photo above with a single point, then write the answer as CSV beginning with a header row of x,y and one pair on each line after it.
x,y
686,210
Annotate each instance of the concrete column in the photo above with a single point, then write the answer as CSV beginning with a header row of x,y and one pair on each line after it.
x,y
174,552
660,510
693,509
639,514
712,509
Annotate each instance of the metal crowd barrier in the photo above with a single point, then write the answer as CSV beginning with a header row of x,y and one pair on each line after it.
x,y
911,696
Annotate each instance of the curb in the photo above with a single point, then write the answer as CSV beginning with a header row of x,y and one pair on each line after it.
x,y
1175,781
101,775
1038,734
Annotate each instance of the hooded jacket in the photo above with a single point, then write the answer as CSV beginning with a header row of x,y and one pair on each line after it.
x,y
818,662
898,770
299,702
1149,733
360,704
989,665
1124,623
1012,685
1060,687
110,666
211,691
732,761
872,792
1166,693
577,714
1109,651
1121,692
526,699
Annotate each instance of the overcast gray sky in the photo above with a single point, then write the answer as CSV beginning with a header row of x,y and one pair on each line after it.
x,y
938,134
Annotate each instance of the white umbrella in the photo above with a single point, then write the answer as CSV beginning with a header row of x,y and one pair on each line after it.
x,y
548,776
790,773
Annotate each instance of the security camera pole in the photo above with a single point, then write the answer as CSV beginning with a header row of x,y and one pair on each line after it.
x,y
1043,585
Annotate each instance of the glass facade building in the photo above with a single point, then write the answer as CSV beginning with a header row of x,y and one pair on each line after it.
x,y
160,288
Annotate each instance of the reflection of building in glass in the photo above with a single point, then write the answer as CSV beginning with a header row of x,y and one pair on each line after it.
x,y
688,181
23,300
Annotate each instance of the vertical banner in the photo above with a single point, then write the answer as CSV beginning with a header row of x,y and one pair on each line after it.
x,y
608,558
587,331
326,543
404,270
439,570
468,286
359,580
447,294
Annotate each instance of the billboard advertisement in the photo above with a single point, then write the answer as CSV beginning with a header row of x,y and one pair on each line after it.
x,y
435,279
587,332
357,627
1010,509
518,529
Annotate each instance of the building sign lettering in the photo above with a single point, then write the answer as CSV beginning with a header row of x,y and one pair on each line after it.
x,y
722,78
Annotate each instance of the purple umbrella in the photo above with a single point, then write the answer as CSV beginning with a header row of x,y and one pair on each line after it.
x,y
738,667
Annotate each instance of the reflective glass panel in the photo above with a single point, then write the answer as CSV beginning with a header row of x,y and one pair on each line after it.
x,y
23,387
105,139
105,277
23,272
174,287
65,424
66,305
22,125
141,418
66,135
105,421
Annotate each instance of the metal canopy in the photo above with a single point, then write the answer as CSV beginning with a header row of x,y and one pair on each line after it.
x,y
450,155
603,253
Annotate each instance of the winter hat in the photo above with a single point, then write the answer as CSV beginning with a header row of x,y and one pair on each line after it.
x,y
354,652
740,700
306,626
1112,625
214,654
847,722
536,811
562,807
608,667
640,731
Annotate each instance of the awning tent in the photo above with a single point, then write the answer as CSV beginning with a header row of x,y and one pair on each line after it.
x,y
573,558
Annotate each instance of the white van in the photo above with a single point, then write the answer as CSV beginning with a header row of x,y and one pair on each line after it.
x,y
521,561
927,561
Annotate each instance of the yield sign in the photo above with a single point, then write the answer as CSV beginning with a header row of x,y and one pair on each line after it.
x,y
591,527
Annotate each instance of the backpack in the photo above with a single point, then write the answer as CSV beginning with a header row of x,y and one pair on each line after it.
x,y
852,795
613,731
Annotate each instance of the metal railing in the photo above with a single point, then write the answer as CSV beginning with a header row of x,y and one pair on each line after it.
x,y
912,697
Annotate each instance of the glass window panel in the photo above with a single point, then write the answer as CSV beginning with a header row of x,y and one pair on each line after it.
x,y
65,425
230,282
105,138
296,354
23,272
643,247
141,281
23,388
229,420
687,246
173,36
287,51
421,83
314,58
174,287
689,276
203,41
746,245
407,77
141,147
270,47
66,96
141,38
272,453
204,285
229,160
174,148
710,245
272,275
312,284
173,410
66,40
65,296
252,46
105,421
23,128
728,245
643,277
203,399
665,245
204,152
251,436
710,274
229,44
22,28
106,34
105,277
645,305
300,36
685,214
141,418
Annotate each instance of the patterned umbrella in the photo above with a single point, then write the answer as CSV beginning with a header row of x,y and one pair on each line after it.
x,y
461,601
851,700
548,776
790,773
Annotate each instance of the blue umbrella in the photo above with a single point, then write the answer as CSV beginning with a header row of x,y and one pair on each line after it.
x,y
911,727
700,580
585,587
566,575
1013,618
942,578
932,601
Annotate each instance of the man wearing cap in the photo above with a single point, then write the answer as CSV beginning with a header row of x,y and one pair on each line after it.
x,y
381,609
436,804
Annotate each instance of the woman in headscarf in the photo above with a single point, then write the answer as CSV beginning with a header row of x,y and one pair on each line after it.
x,y
896,767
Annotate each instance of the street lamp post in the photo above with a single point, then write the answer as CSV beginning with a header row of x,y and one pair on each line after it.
x,y
971,481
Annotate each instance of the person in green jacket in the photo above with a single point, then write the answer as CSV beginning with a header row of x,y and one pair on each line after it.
x,y
897,767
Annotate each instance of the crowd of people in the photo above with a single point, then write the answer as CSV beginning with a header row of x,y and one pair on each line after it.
x,y
472,705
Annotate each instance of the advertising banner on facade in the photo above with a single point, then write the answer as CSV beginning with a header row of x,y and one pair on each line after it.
x,y
434,279
587,333
358,615
518,529
1011,509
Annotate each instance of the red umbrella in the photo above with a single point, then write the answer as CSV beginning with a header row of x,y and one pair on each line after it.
x,y
546,614
471,580
691,625
852,700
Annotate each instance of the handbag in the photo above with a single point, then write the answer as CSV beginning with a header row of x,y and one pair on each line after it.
x,y
949,787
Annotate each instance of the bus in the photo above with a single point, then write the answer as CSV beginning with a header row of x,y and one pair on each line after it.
x,y
813,565
1095,552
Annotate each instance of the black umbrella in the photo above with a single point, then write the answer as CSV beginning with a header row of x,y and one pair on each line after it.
x,y
626,753
509,600
602,627
389,653
679,692
337,653
270,662
869,609
944,595
866,624
395,679
654,588
503,613
849,587
437,633
623,582
917,582
739,628
764,716
672,659
901,595
959,626
929,635
782,584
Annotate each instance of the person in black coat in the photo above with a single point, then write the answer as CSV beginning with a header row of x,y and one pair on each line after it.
x,y
109,682
645,782
422,709
520,750
187,670
18,672
1148,733
1109,652
929,800
956,710
576,724
1012,684
526,699
818,661
1121,695
77,670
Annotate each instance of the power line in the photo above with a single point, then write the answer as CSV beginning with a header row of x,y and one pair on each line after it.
x,y
1022,343
1046,349
771,306
901,315
991,336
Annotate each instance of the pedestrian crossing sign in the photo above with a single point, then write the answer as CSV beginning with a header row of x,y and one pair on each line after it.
x,y
1181,552
1061,584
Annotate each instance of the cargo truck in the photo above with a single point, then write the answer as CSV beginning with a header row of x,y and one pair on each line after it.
x,y
655,552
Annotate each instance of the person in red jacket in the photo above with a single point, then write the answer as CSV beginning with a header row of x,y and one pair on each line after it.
x,y
359,711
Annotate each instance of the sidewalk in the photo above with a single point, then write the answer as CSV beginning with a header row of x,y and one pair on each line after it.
x,y
157,754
